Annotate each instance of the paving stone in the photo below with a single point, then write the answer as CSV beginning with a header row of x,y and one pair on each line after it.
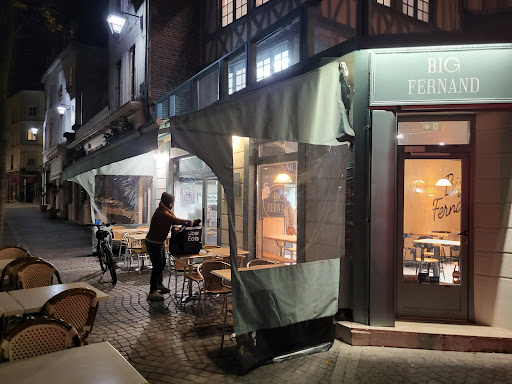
x,y
167,344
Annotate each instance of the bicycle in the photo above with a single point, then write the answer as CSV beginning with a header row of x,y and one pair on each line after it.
x,y
104,251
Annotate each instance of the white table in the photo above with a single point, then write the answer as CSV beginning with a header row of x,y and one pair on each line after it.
x,y
90,364
226,273
9,306
437,242
33,299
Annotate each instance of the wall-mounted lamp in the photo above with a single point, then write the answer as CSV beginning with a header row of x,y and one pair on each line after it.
x,y
62,108
283,178
34,130
117,21
443,183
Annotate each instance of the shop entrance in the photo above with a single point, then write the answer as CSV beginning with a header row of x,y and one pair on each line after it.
x,y
433,223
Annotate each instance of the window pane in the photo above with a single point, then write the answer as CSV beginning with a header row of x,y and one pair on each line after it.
x,y
277,210
236,74
433,132
278,51
123,199
208,89
227,12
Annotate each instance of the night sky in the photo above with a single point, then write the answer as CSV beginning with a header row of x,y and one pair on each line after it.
x,y
37,46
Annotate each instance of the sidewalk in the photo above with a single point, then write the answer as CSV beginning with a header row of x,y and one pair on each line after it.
x,y
168,345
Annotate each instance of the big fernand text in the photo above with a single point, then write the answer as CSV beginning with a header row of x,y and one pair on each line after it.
x,y
436,86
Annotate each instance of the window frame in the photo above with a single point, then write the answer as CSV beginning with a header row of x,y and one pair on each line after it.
x,y
32,108
235,6
397,5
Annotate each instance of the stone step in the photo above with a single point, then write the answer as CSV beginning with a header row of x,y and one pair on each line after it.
x,y
435,336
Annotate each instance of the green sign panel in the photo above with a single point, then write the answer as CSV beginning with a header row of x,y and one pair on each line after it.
x,y
441,75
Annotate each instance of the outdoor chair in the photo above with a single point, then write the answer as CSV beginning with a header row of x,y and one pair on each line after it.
x,y
191,275
76,306
138,249
254,262
38,337
212,285
11,272
226,308
13,252
118,238
37,273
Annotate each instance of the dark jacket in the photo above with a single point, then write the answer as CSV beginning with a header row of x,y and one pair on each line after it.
x,y
161,222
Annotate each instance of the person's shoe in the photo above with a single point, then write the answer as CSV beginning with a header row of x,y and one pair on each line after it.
x,y
163,289
155,296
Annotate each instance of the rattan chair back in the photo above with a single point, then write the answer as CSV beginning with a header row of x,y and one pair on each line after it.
x,y
13,252
212,283
254,262
11,271
76,306
37,273
38,337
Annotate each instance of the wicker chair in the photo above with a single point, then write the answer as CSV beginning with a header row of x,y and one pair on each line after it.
x,y
37,273
13,252
119,238
212,285
254,262
38,337
76,306
11,271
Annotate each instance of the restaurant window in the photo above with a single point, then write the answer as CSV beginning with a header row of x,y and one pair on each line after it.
x,y
231,10
124,199
278,51
433,133
236,74
277,203
416,8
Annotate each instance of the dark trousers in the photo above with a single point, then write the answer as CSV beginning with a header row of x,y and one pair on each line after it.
x,y
157,256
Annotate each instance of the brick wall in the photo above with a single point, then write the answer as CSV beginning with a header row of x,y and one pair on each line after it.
x,y
174,45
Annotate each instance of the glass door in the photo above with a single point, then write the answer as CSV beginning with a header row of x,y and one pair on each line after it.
x,y
432,263
196,190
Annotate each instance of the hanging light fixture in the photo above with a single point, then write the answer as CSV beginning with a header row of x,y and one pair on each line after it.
x,y
443,183
283,178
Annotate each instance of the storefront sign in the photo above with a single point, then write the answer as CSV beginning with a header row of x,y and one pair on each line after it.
x,y
442,75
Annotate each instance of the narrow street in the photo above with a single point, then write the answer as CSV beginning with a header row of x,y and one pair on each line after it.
x,y
169,345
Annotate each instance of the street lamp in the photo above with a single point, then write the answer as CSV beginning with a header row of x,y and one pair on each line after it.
x,y
117,21
62,108
34,130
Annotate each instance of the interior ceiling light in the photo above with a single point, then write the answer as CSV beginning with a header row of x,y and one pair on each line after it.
x,y
443,183
283,178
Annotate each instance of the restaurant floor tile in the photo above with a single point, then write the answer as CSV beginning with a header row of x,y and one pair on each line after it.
x,y
170,345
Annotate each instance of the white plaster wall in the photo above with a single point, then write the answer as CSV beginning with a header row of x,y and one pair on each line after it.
x,y
493,220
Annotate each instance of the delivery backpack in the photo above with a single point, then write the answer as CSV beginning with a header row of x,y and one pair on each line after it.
x,y
186,242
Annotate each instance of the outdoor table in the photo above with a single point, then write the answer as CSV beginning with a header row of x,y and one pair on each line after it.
x,y
8,307
281,241
226,273
33,299
224,252
89,364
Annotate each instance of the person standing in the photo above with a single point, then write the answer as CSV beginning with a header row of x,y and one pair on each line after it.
x,y
161,222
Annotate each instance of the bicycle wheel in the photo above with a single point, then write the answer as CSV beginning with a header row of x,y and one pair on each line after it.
x,y
101,259
111,265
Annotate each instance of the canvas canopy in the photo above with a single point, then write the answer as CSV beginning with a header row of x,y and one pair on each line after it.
x,y
305,109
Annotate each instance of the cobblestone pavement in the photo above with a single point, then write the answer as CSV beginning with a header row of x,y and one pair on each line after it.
x,y
169,345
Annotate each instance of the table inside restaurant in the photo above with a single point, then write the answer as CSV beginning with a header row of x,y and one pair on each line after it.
x,y
89,364
129,230
281,241
437,242
33,299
